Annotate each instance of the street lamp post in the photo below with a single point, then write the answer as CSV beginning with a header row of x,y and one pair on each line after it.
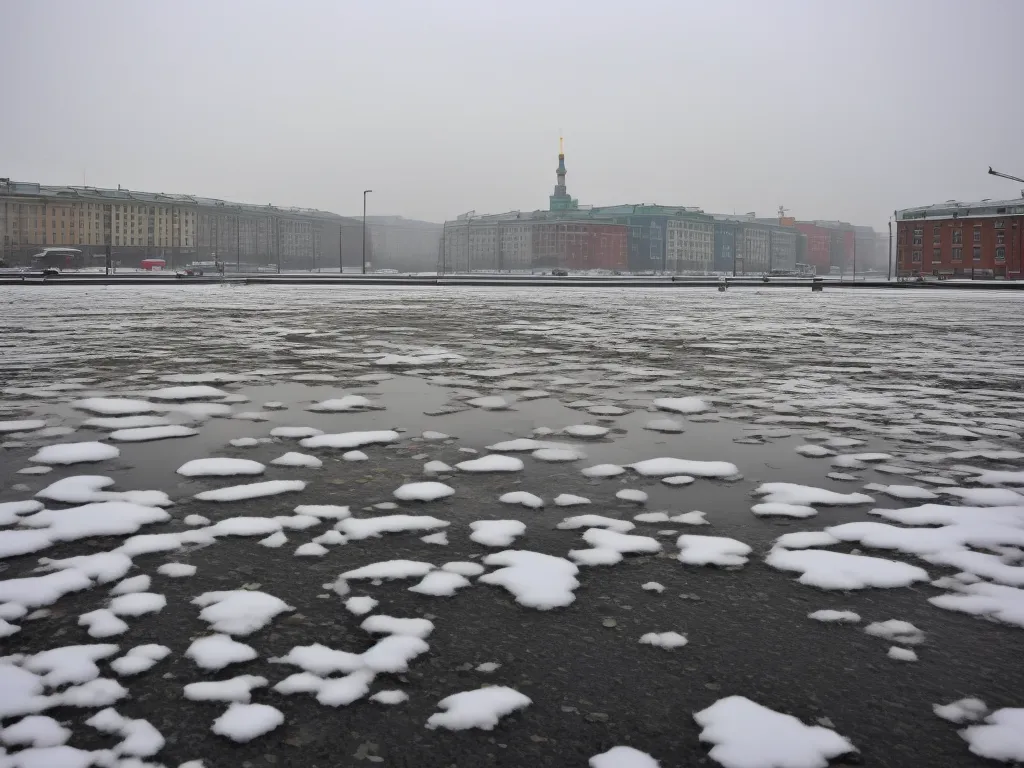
x,y
365,193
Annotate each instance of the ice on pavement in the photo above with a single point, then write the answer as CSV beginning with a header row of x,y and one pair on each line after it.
x,y
492,463
435,538
522,497
711,550
570,500
490,402
664,425
433,435
585,430
664,467
901,654
425,491
993,601
198,392
897,631
342,404
967,710
361,605
746,734
440,584
176,570
69,664
218,651
695,517
331,511
366,527
837,570
436,468
346,440
114,406
244,722
233,689
35,731
603,470
390,625
295,432
252,490
1000,737
137,604
295,459
791,493
595,521
144,434
25,425
664,639
779,509
125,422
390,569
390,697
631,494
623,757
678,480
463,568
829,615
311,549
134,584
75,453
220,467
139,659
482,708
682,404
496,533
240,611
537,580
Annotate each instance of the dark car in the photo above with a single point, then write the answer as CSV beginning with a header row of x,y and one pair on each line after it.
x,y
560,273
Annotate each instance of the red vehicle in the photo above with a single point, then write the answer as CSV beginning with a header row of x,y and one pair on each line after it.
x,y
151,265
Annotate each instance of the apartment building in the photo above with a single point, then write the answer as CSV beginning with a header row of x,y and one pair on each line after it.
x,y
961,239
178,228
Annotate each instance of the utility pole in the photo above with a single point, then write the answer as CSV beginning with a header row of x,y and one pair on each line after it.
x,y
238,250
365,193
341,264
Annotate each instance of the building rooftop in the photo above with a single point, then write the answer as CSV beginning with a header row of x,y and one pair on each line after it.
x,y
952,208
32,189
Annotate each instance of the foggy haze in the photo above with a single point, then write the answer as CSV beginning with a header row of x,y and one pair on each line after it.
x,y
836,110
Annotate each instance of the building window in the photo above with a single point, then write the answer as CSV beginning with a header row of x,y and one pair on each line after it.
x,y
936,235
1000,238
936,255
958,236
977,233
916,257
999,224
977,253
1001,254
958,254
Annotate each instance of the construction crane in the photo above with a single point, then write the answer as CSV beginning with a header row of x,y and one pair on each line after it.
x,y
1006,176
783,211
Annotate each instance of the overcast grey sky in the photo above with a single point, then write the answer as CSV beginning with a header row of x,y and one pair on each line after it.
x,y
839,109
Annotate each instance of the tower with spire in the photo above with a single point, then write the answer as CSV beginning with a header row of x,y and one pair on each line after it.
x,y
560,201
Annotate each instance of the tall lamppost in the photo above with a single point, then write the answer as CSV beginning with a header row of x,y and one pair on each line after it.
x,y
365,193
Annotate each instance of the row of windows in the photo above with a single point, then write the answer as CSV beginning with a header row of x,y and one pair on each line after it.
x,y
958,254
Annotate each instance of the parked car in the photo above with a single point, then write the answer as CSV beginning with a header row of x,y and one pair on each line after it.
x,y
560,273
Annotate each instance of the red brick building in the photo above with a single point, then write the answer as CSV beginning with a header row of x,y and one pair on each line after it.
x,y
576,244
819,246
984,239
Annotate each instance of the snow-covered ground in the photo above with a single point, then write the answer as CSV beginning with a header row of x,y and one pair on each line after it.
x,y
786,497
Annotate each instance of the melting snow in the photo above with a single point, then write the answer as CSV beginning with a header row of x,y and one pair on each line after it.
x,y
114,406
26,425
217,467
244,722
748,735
491,403
176,570
199,392
837,570
569,500
522,497
492,463
440,584
664,639
139,659
367,527
603,470
496,533
390,569
75,453
251,490
667,466
482,708
1000,737
901,654
233,689
664,425
778,509
630,494
217,651
342,404
240,611
537,580
295,459
791,493
827,615
595,521
390,697
390,625
350,439
896,631
967,710
361,605
427,491
295,432
623,757
144,434
711,550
